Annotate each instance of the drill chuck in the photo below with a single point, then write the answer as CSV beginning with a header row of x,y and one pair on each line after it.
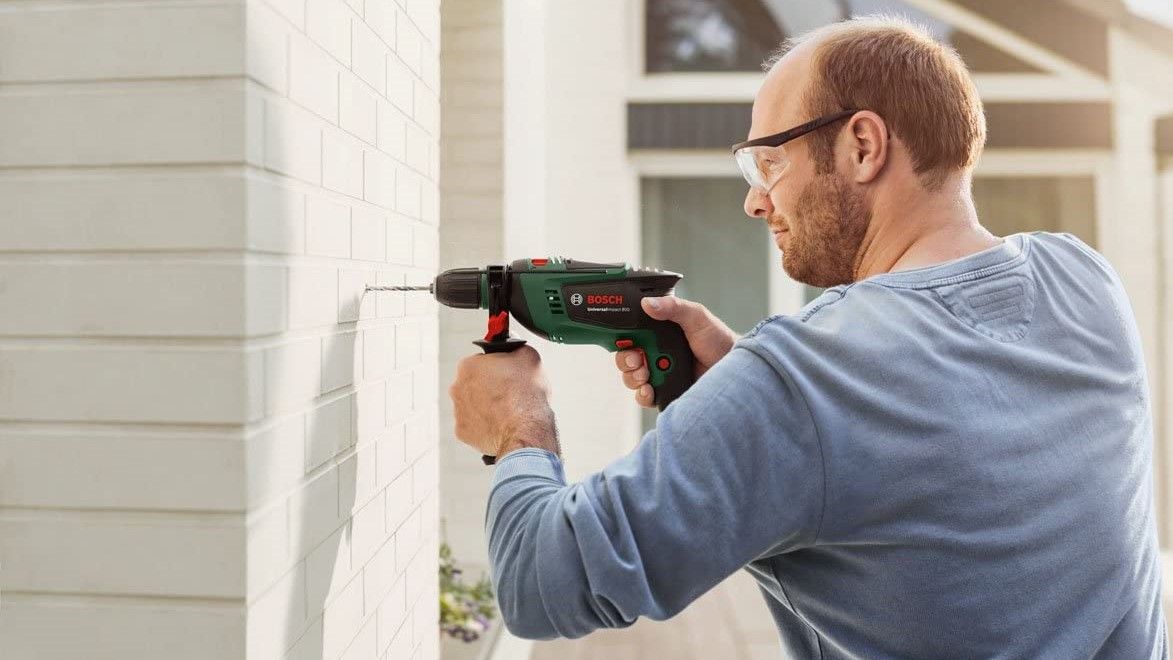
x,y
459,287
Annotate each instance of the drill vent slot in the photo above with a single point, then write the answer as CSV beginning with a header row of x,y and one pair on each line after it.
x,y
555,299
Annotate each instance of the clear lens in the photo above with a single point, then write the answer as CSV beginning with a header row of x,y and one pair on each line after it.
x,y
761,166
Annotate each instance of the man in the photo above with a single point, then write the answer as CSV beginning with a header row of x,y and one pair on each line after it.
x,y
946,455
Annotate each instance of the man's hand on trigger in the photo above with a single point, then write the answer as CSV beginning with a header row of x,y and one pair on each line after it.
x,y
708,338
500,403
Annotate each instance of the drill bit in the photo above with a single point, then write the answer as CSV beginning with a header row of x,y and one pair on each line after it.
x,y
399,288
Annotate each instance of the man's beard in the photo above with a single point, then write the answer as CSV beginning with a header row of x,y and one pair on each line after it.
x,y
831,220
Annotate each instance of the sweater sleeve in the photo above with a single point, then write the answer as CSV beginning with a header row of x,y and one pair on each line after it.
x,y
733,471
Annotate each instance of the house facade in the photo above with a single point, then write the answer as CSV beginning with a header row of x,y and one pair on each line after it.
x,y
615,119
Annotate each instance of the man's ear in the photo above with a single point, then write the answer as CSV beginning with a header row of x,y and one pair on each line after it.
x,y
867,136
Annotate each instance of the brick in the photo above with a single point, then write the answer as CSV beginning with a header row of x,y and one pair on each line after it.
x,y
399,396
408,42
392,130
380,16
369,531
380,176
400,244
394,638
267,48
363,645
121,470
421,567
425,476
357,108
117,297
121,384
292,374
426,15
313,78
292,10
313,513
418,145
267,550
370,57
379,575
426,108
370,415
389,457
430,204
407,192
389,303
425,250
400,84
113,630
327,227
264,299
398,505
275,218
189,122
399,644
407,345
328,569
328,431
129,41
309,646
342,619
275,619
425,384
378,352
356,478
92,554
115,210
353,301
430,67
293,142
328,24
419,434
338,365
425,614
313,296
342,164
275,460
369,237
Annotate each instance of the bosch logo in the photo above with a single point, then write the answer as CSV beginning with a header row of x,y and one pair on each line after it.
x,y
604,300
576,299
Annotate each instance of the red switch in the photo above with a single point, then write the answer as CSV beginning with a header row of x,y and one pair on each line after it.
x,y
539,262
663,363
624,343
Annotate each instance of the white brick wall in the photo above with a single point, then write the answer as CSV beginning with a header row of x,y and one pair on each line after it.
x,y
211,444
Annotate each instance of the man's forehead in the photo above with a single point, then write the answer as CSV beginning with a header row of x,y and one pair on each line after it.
x,y
778,102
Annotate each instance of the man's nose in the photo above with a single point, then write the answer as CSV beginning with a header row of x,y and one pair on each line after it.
x,y
757,204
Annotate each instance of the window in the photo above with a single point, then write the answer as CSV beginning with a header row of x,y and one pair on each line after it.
x,y
737,35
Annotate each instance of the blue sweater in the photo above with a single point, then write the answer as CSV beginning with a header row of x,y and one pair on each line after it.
x,y
946,462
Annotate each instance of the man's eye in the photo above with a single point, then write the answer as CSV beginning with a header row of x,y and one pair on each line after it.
x,y
771,165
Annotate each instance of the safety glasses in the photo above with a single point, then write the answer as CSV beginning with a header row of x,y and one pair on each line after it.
x,y
763,160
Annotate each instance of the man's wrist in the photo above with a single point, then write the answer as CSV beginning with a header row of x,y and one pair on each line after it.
x,y
549,444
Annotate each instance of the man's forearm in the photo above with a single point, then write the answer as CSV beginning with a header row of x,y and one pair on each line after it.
x,y
534,428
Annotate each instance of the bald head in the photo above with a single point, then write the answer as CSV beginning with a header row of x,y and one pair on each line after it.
x,y
918,86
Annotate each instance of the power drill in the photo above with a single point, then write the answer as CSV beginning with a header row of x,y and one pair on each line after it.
x,y
573,302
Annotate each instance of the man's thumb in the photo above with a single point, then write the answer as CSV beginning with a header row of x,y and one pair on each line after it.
x,y
663,308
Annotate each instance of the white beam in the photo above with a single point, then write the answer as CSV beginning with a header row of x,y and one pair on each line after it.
x,y
1043,162
1028,87
741,88
1002,38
